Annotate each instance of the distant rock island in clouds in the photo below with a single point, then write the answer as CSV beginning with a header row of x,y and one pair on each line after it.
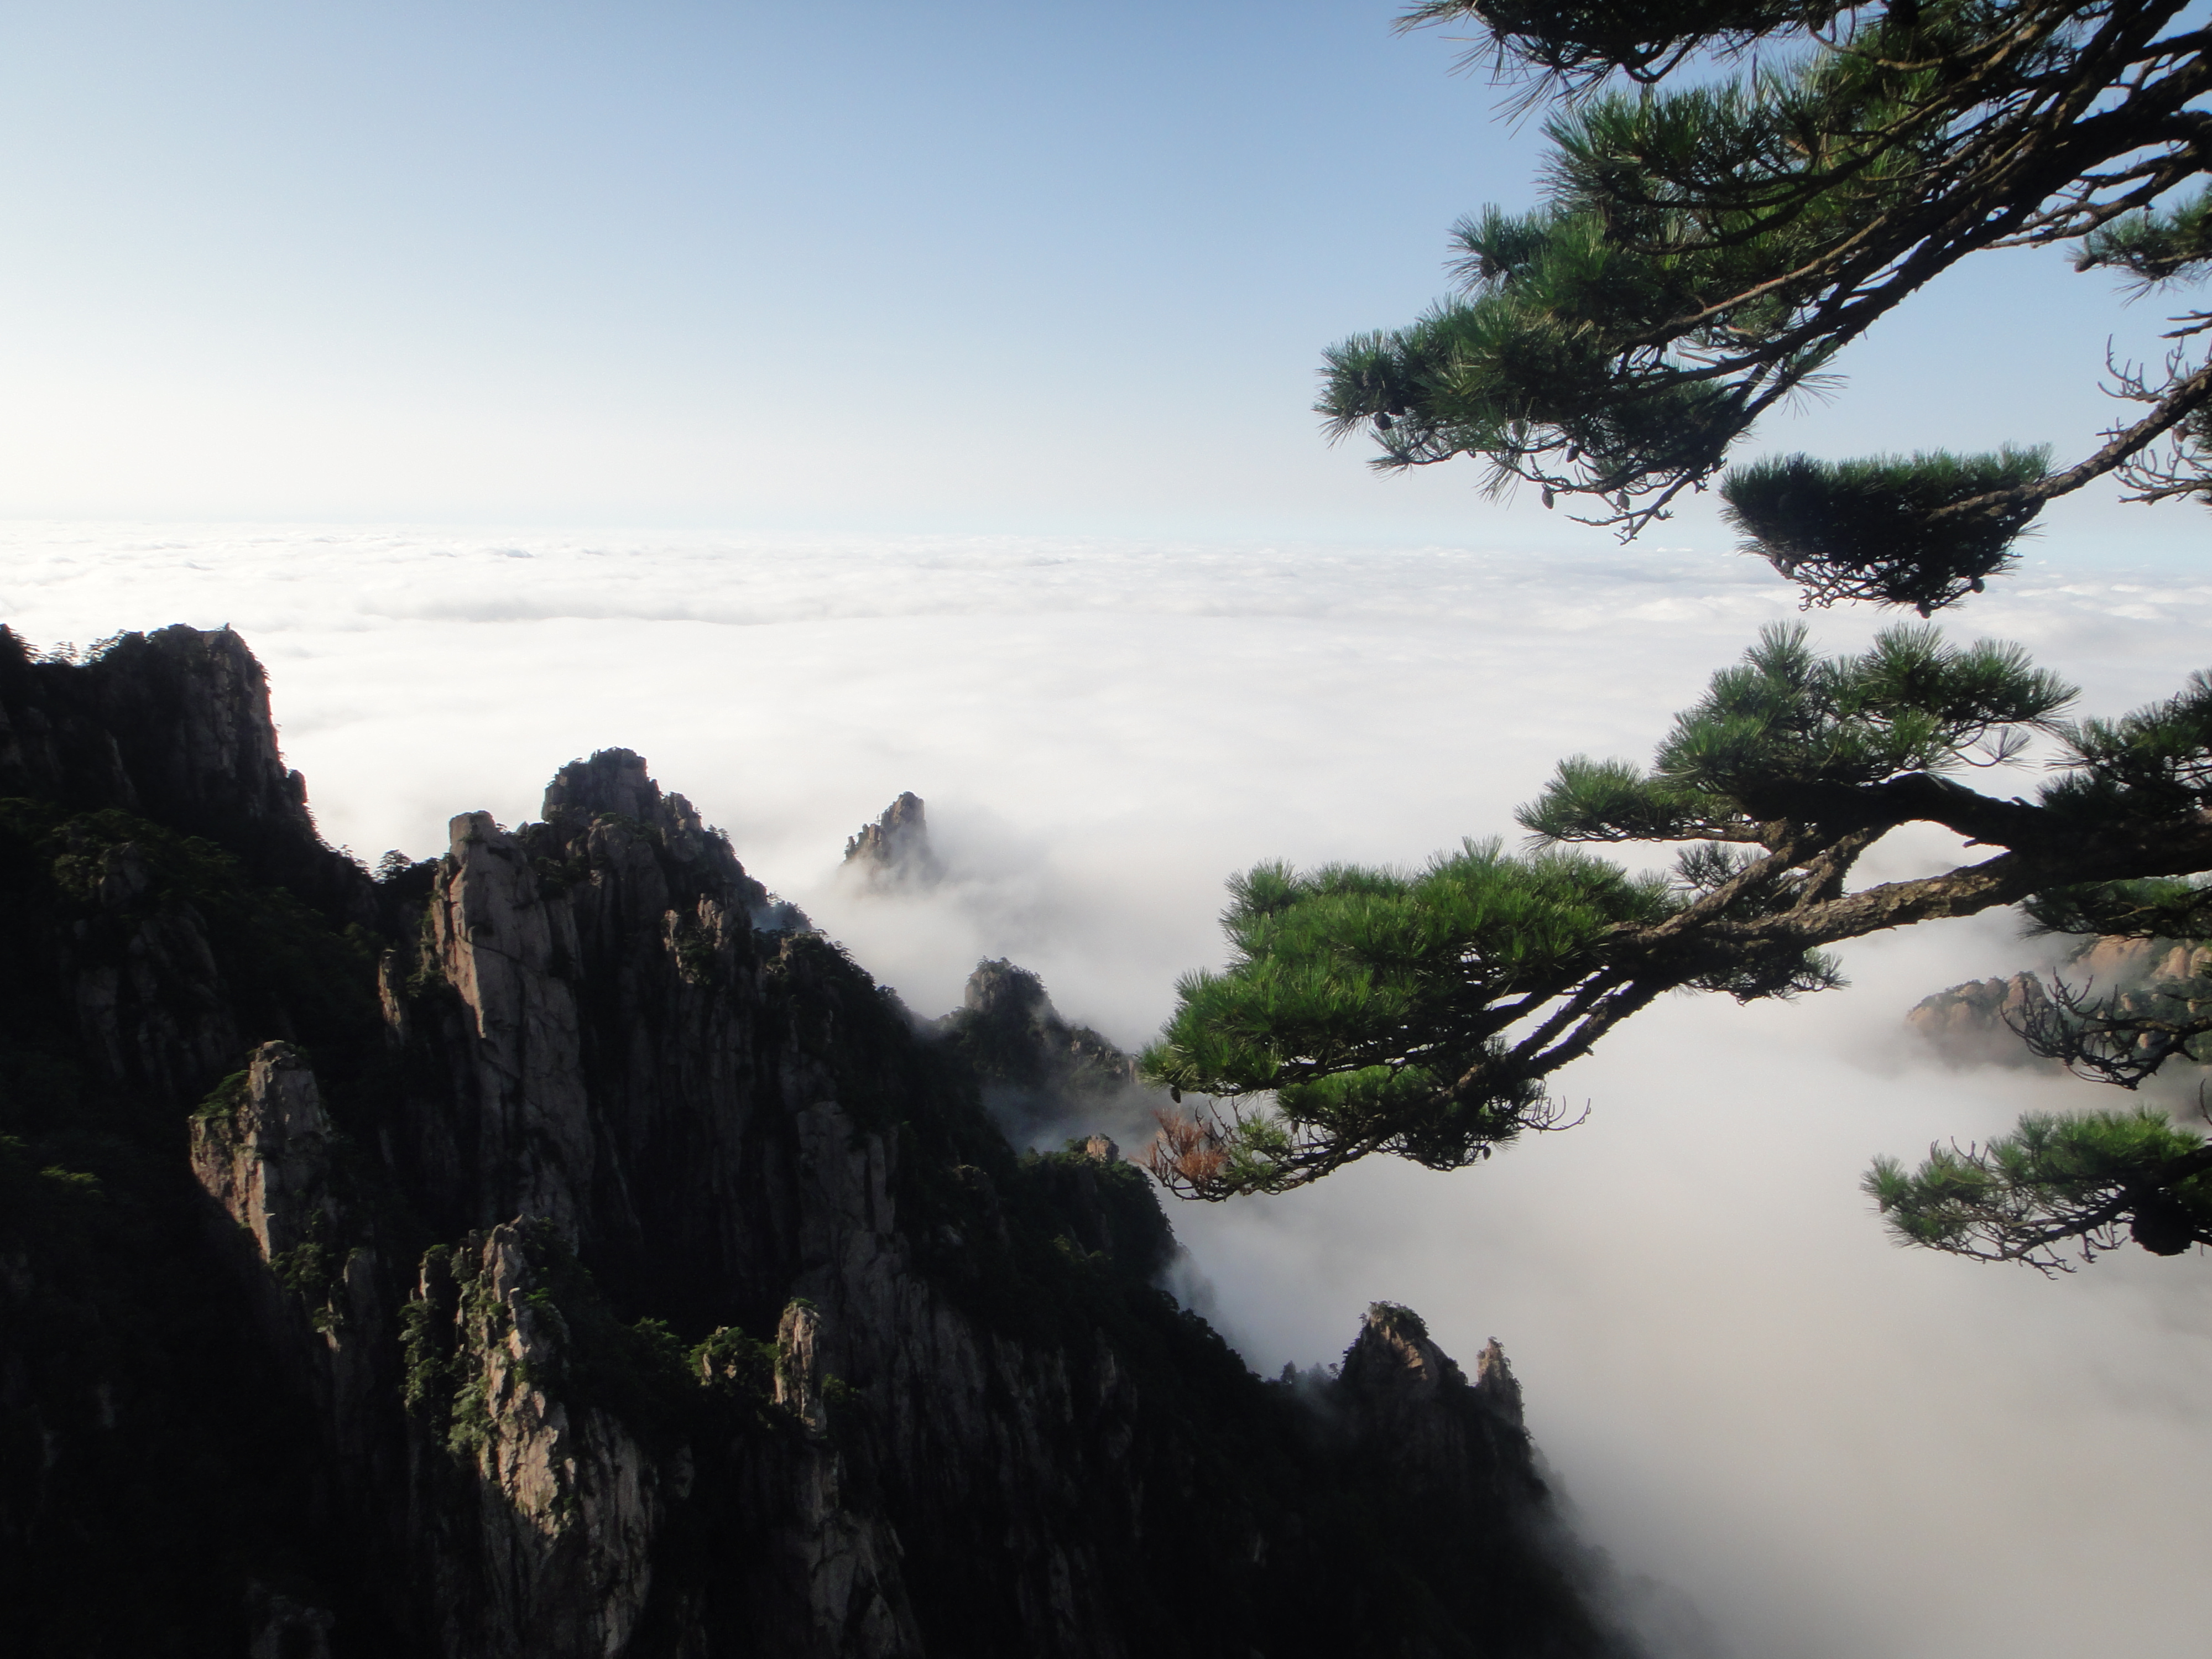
x,y
1979,1022
895,850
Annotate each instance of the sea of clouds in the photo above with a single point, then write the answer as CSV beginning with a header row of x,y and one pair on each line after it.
x,y
1825,1447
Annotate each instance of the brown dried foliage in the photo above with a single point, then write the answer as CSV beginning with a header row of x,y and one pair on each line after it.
x,y
1188,1153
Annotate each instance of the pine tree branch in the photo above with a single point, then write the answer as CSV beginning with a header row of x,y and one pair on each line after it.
x,y
2028,1210
1526,1052
2109,1041
2108,854
1916,798
2016,124
1628,1000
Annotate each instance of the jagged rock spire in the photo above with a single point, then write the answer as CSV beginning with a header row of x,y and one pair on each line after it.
x,y
1413,1406
895,846
1495,1385
1394,1363
1396,1368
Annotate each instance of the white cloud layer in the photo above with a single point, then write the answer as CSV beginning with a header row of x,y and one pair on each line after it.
x,y
1835,1448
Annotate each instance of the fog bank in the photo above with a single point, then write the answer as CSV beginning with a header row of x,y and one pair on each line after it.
x,y
1832,1447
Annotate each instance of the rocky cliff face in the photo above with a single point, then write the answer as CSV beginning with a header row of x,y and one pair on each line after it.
x,y
173,725
530,1256
895,850
1979,1022
1972,1024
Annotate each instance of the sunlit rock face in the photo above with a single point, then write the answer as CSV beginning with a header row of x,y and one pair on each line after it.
x,y
1981,1022
1974,1023
582,1269
262,1150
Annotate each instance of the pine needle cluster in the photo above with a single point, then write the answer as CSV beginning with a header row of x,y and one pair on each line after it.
x,y
1707,244
1421,1014
2054,1186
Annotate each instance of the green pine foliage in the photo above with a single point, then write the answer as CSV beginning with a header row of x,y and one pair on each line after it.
x,y
1788,727
1420,1014
2153,245
1371,1003
2155,908
1580,41
1774,179
1706,244
1893,519
2149,766
2054,1184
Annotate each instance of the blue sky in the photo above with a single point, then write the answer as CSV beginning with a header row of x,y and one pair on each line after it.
x,y
975,267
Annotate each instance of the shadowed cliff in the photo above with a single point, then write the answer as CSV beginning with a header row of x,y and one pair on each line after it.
x,y
526,1255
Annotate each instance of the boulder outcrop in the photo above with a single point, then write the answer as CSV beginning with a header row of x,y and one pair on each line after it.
x,y
1974,1023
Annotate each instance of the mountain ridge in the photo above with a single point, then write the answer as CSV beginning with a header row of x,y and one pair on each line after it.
x,y
529,1255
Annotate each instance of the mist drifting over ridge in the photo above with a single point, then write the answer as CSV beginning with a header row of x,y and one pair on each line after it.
x,y
1832,1447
